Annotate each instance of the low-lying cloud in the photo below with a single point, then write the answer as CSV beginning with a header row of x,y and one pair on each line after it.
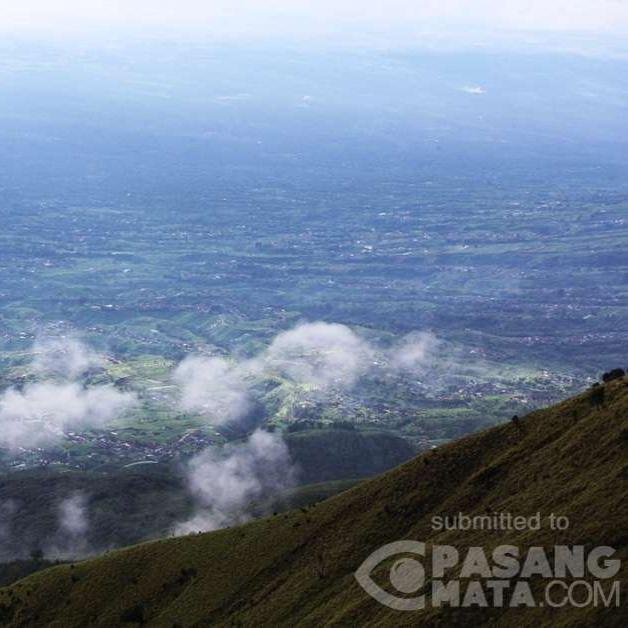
x,y
73,525
65,357
41,413
319,356
233,483
414,352
214,387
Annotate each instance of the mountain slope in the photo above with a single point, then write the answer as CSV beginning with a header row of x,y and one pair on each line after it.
x,y
297,568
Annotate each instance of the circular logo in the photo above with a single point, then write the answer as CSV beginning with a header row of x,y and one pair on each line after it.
x,y
407,575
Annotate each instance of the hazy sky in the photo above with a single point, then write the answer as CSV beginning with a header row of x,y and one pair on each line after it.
x,y
316,18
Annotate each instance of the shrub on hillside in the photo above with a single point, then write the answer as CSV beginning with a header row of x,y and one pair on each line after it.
x,y
613,375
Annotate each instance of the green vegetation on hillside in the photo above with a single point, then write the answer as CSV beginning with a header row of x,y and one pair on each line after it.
x,y
297,568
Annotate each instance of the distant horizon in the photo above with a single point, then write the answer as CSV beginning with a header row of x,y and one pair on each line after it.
x,y
582,26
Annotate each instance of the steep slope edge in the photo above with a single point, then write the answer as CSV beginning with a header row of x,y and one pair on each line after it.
x,y
298,568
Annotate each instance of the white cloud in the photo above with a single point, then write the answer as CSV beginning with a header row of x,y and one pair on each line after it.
x,y
63,356
319,356
73,515
70,540
41,413
323,355
228,483
415,352
213,387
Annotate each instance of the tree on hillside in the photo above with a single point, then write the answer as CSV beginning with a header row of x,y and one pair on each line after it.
x,y
597,395
613,375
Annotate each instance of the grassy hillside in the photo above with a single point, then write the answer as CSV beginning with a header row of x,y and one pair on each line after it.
x,y
18,569
297,568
